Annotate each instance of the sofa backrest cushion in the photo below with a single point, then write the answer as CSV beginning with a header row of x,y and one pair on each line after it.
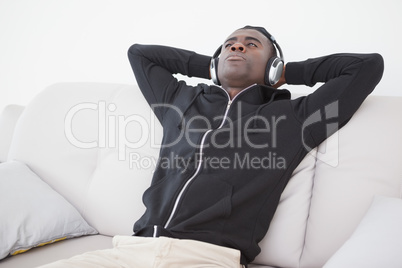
x,y
97,145
8,120
362,160
68,136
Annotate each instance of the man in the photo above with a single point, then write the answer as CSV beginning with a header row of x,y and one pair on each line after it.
x,y
231,205
237,143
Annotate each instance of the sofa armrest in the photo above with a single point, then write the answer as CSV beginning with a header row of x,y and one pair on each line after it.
x,y
8,121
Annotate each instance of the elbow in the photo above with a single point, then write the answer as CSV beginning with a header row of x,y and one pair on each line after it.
x,y
375,64
377,61
134,50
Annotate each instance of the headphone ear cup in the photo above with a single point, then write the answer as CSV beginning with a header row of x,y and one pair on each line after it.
x,y
214,71
273,71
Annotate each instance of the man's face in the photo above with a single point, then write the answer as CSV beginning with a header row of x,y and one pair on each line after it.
x,y
243,59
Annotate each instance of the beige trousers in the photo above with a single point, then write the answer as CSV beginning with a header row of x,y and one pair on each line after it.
x,y
161,252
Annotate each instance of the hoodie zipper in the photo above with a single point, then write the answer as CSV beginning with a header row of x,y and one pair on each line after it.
x,y
178,198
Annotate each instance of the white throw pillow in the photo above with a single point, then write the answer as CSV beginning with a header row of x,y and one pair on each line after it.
x,y
377,241
31,213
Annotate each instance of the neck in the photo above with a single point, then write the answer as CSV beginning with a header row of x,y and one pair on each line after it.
x,y
233,91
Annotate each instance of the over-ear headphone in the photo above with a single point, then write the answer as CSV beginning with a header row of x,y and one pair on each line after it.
x,y
273,71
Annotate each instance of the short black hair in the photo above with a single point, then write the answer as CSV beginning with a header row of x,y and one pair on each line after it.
x,y
262,30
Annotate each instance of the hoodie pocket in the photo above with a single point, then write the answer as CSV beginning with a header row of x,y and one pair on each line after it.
x,y
158,198
207,201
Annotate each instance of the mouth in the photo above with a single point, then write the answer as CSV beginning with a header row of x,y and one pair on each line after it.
x,y
235,57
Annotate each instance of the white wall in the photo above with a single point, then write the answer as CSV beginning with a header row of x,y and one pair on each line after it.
x,y
48,41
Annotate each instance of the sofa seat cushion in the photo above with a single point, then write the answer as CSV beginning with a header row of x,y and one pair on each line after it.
x,y
59,250
66,249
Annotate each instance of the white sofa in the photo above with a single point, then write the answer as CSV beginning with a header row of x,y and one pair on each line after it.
x,y
96,143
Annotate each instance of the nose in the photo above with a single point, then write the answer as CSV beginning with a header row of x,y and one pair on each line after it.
x,y
238,47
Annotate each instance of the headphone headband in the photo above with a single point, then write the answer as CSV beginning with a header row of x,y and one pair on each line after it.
x,y
276,45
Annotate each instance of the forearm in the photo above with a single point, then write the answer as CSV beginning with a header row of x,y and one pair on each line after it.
x,y
154,66
348,79
173,60
352,76
364,67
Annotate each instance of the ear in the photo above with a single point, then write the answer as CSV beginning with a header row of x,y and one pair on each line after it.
x,y
213,70
273,71
213,67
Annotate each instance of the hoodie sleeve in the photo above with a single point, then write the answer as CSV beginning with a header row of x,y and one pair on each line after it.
x,y
154,66
348,79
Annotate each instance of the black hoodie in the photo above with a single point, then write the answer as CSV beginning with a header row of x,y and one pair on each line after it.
x,y
224,163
